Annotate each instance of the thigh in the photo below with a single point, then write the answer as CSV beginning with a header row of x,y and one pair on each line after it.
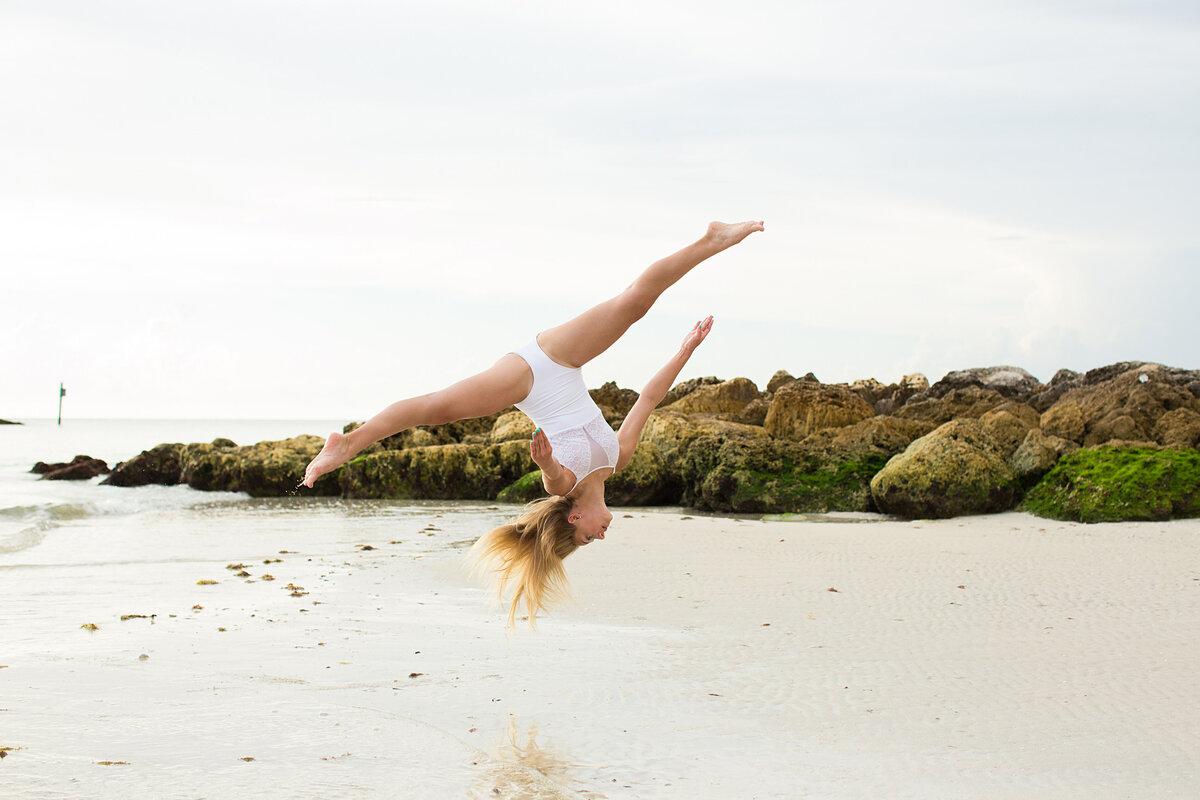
x,y
578,341
506,382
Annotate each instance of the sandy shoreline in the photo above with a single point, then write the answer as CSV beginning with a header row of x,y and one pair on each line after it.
x,y
1000,656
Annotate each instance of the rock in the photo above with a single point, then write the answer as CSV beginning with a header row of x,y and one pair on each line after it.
x,y
1065,420
830,470
80,468
1005,430
614,401
803,407
728,397
441,472
1037,455
159,464
265,469
682,390
972,402
511,427
10,422
1179,427
672,433
780,378
1009,382
524,489
951,471
761,475
647,480
1115,484
755,412
1063,381
871,390
221,441
1123,405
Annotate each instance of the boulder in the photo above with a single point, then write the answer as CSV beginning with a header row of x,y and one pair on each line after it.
x,y
871,390
755,412
222,442
512,427
729,397
672,433
1037,455
524,489
614,402
803,407
762,475
1065,420
1010,382
1005,430
647,480
1114,404
441,472
1179,427
829,470
1048,394
971,402
956,469
159,464
10,422
80,468
683,389
1115,484
265,469
780,378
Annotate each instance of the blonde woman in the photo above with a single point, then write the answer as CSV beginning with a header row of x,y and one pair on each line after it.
x,y
573,445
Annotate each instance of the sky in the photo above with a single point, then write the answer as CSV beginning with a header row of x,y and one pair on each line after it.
x,y
268,209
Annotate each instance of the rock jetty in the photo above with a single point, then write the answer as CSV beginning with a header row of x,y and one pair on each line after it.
x,y
1117,442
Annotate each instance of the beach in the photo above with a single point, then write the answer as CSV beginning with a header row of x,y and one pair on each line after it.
x,y
702,657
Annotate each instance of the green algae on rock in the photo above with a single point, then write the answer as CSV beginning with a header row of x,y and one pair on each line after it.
x,y
1117,484
440,472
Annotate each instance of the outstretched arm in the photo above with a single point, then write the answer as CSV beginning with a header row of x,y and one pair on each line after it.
x,y
656,390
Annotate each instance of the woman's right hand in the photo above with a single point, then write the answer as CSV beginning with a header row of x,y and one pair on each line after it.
x,y
542,453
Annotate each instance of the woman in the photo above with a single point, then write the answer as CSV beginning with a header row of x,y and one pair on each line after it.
x,y
573,445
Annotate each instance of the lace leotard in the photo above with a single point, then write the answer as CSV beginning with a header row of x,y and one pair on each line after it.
x,y
559,403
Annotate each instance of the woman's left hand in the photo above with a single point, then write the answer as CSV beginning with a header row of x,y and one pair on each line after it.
x,y
696,335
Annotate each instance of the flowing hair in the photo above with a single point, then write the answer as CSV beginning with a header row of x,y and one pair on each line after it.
x,y
527,554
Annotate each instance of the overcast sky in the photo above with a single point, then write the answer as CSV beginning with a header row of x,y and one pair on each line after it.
x,y
310,209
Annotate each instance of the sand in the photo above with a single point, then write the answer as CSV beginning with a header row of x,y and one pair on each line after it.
x,y
992,657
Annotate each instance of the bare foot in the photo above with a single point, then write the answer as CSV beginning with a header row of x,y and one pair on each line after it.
x,y
335,453
727,234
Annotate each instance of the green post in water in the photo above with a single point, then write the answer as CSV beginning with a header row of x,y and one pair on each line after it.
x,y
61,394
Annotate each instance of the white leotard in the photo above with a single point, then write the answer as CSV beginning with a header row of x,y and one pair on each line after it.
x,y
560,405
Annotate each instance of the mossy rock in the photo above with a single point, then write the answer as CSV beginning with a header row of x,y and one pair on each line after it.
x,y
159,464
646,480
442,472
524,489
1116,484
750,475
955,470
265,469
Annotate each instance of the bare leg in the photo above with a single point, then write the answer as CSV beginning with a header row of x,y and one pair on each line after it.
x,y
577,342
508,381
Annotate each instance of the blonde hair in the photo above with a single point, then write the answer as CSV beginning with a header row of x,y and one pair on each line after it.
x,y
527,554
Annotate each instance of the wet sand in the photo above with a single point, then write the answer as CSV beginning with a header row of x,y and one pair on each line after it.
x,y
991,657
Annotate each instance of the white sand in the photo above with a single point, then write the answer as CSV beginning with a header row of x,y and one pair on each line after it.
x,y
990,657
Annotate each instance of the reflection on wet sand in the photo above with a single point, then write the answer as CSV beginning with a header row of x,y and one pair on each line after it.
x,y
523,767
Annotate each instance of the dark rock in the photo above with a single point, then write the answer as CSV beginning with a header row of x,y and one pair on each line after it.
x,y
1011,383
803,407
1063,381
780,378
755,412
220,441
871,390
10,422
80,468
952,471
971,402
159,464
614,401
1115,484
1119,405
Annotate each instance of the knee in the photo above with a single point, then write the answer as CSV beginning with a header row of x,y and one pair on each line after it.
x,y
637,300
